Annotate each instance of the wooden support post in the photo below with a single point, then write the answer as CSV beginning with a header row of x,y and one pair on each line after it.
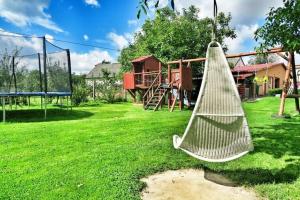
x,y
94,89
285,87
295,81
169,81
132,94
180,91
160,72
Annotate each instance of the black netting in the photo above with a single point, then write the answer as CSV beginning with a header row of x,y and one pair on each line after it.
x,y
32,66
28,72
58,79
5,73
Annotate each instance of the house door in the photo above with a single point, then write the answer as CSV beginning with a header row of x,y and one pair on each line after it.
x,y
138,70
277,83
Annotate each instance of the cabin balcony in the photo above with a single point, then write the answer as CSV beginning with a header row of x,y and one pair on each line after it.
x,y
141,80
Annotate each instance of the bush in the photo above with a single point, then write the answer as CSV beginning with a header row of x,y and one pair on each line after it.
x,y
80,90
109,88
275,91
80,95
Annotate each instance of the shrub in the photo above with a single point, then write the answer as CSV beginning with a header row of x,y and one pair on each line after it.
x,y
275,91
80,90
109,87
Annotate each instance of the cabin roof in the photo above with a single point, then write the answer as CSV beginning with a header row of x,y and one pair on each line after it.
x,y
96,72
143,58
256,68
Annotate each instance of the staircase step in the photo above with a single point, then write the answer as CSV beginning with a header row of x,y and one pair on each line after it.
x,y
152,104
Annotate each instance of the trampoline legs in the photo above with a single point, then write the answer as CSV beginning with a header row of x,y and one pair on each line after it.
x,y
3,109
45,108
10,103
67,103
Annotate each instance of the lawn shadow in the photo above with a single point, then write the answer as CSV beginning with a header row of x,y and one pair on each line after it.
x,y
257,176
279,140
37,115
282,138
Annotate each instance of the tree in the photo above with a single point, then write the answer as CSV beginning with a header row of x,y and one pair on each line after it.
x,y
108,86
144,6
171,36
58,76
262,58
282,28
6,69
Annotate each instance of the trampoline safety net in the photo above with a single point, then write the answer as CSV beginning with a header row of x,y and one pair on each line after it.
x,y
39,69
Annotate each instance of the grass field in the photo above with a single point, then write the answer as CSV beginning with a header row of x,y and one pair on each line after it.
x,y
101,152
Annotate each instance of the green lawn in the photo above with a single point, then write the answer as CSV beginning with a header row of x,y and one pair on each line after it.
x,y
101,152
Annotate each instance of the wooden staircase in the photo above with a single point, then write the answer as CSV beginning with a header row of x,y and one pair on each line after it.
x,y
155,100
154,96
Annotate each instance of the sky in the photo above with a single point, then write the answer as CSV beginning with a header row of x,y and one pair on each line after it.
x,y
112,23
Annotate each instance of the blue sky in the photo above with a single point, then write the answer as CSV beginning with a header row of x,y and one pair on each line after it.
x,y
112,23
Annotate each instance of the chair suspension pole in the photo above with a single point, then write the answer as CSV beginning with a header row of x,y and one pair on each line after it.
x,y
214,30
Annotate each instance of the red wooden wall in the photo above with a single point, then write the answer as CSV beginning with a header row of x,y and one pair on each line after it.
x,y
128,81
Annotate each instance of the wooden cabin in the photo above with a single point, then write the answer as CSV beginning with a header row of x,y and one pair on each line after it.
x,y
148,79
144,70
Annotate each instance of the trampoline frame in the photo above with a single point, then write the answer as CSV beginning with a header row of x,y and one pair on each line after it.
x,y
44,94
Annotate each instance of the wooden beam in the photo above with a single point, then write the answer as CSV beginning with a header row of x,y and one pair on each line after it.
x,y
132,94
274,50
285,87
283,56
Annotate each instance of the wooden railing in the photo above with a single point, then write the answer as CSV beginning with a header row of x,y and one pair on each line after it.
x,y
152,89
145,79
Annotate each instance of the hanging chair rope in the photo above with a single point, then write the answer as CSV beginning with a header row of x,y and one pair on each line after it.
x,y
214,30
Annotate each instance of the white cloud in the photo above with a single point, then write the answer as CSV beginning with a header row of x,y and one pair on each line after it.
x,y
85,37
243,12
81,62
84,62
25,13
92,3
133,22
121,41
49,37
243,33
246,15
13,41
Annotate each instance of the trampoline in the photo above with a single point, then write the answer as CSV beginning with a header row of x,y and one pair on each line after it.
x,y
45,73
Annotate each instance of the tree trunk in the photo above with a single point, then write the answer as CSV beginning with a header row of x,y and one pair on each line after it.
x,y
295,81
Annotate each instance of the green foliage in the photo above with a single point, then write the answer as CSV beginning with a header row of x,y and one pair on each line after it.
x,y
109,86
58,76
263,58
6,69
281,28
171,36
273,92
81,90
144,6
